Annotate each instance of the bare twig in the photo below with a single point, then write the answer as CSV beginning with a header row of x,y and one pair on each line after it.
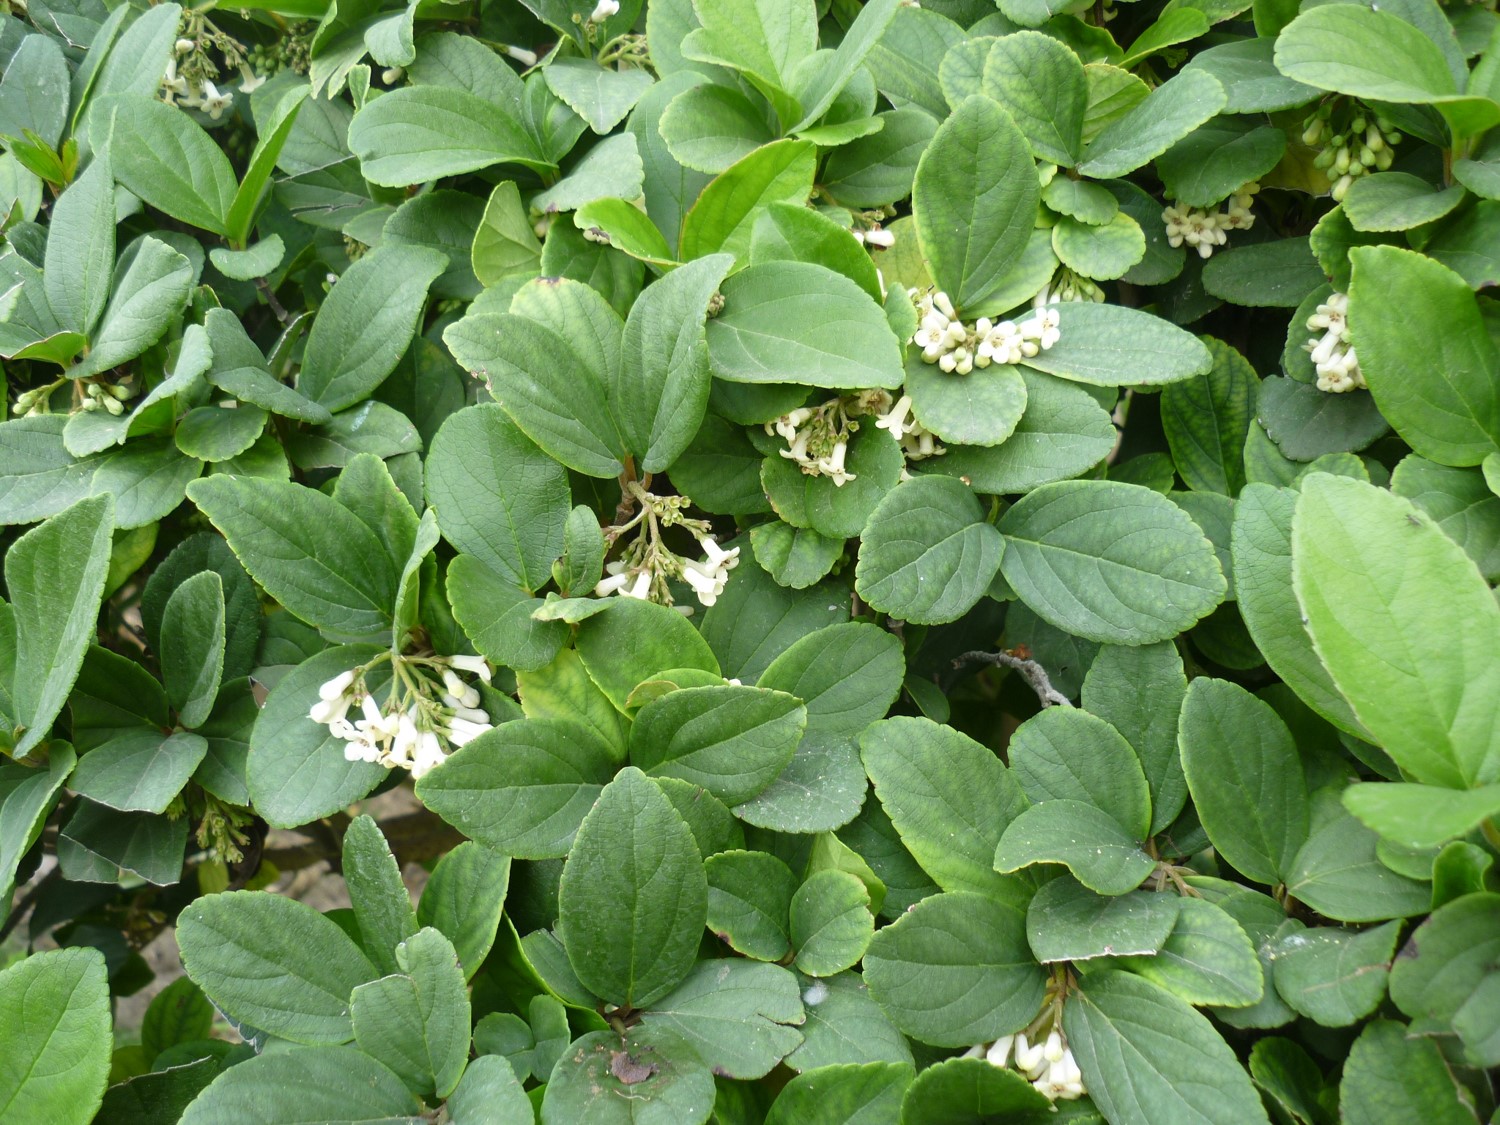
x,y
1032,672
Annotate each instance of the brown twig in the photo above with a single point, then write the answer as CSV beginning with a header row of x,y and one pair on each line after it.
x,y
1032,672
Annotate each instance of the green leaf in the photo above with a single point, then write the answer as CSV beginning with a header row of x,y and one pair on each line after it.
x,y
726,209
730,740
179,1013
601,96
248,264
749,896
1460,501
1249,77
846,1026
709,127
1083,200
382,907
463,900
498,497
505,243
1397,201
956,970
1246,778
422,133
296,769
1206,959
34,94
1107,345
1446,958
490,1094
417,1021
139,770
1393,1076
56,1022
192,647
1102,855
632,640
648,1076
239,368
1166,115
838,511
1355,550
970,1091
523,788
1418,372
1149,1059
310,553
852,1094
927,554
878,169
148,295
28,796
274,963
794,556
801,322
1066,921
974,199
1068,753
949,797
1334,976
311,1084
1207,419
633,897
982,408
1040,82
831,924
1330,50
740,1017
1277,274
1101,252
100,845
166,158
365,325
1079,554
1213,161
80,256
1421,816
54,575
660,393
273,132
1139,692
1339,874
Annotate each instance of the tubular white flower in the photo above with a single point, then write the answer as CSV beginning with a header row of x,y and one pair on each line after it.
x,y
999,1052
329,710
1052,1049
612,585
332,689
833,465
461,732
884,239
894,419
474,665
214,103
603,10
641,588
429,754
716,554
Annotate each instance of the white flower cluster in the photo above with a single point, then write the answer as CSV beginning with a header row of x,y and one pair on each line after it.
x,y
1049,1065
1332,355
707,576
958,349
177,89
415,737
917,442
1205,230
819,448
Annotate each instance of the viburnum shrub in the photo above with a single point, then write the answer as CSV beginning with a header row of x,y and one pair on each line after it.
x,y
894,563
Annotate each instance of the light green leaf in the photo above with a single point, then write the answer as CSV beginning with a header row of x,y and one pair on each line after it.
x,y
851,1094
1040,82
505,243
956,970
365,325
1421,816
274,963
489,1094
600,95
1071,559
55,1019
1206,959
273,131
1393,1076
140,770
830,921
1397,201
463,900
709,127
250,263
54,575
1425,378
28,796
1166,115
382,906
726,209
740,1017
34,94
149,293
749,897
80,257
1207,419
421,133
1335,976
664,1082
1102,252
1339,874
632,640
1063,752
1213,161
980,409
1431,705
1066,921
928,555
633,897
975,199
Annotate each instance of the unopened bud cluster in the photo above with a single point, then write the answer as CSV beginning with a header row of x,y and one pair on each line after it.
x,y
958,348
1205,230
429,712
1047,1063
1332,354
1354,142
647,565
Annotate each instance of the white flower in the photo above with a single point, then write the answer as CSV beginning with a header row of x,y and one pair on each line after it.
x,y
429,753
250,81
603,10
717,555
461,731
999,1052
612,585
832,466
330,710
1028,1055
466,696
339,685
183,46
474,665
880,237
641,589
214,103
894,419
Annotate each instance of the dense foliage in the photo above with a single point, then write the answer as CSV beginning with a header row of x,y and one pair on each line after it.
x,y
922,564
